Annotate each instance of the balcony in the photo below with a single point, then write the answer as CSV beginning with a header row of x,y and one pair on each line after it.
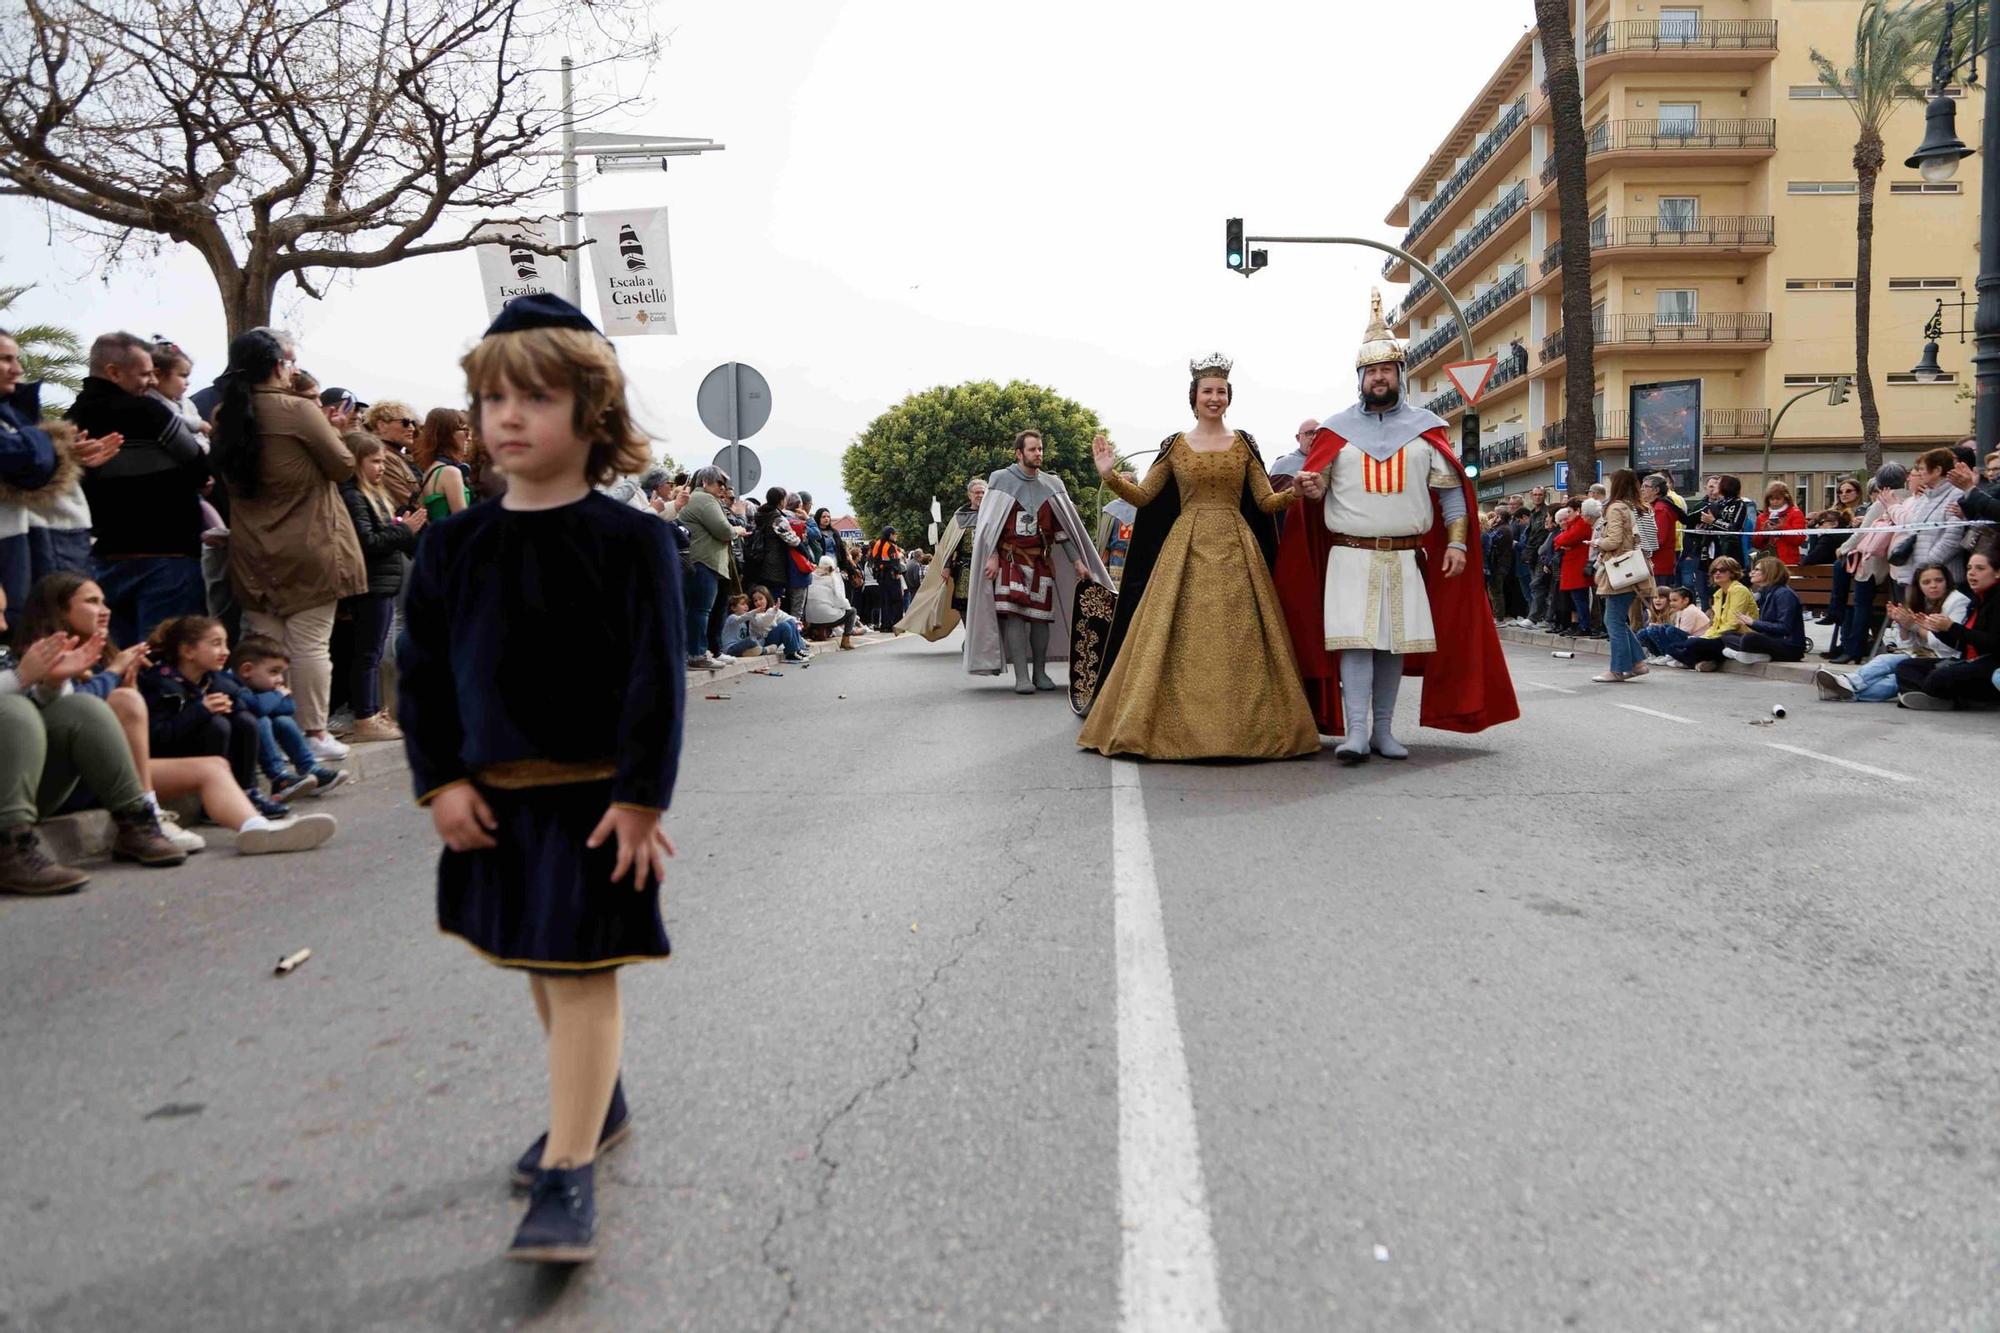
x,y
1674,143
1483,155
1716,235
1479,311
1751,328
1680,44
1508,449
1501,225
1717,423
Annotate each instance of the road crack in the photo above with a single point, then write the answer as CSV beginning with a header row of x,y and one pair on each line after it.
x,y
825,1164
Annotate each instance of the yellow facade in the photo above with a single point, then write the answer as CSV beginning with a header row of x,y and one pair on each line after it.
x,y
1723,206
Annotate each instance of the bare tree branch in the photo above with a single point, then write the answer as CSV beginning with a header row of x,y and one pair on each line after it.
x,y
284,137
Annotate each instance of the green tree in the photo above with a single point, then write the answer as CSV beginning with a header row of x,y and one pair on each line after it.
x,y
1892,44
928,446
50,353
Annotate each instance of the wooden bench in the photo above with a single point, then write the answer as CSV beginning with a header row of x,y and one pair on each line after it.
x,y
1814,586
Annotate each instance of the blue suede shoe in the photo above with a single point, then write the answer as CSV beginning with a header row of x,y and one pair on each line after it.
x,y
561,1225
617,1128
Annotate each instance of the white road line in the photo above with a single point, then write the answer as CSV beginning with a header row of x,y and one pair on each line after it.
x,y
1654,712
1167,1281
1537,685
1844,763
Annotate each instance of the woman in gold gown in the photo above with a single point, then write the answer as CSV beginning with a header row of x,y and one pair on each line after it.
x,y
1205,669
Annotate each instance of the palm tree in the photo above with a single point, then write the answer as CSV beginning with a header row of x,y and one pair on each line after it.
x,y
1571,153
1892,44
50,353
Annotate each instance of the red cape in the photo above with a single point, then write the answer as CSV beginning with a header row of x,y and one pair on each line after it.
x,y
1466,685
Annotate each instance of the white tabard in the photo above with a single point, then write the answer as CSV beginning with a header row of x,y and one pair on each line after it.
x,y
1376,599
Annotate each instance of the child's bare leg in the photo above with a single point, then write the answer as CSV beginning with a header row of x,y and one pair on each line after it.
x,y
220,796
541,994
129,706
586,1031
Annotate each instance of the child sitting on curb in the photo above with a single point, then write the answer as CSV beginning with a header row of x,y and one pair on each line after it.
x,y
256,680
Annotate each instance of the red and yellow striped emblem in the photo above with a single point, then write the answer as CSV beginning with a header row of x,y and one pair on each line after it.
x,y
1385,477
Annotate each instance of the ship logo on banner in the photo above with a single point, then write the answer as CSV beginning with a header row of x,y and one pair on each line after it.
x,y
630,259
511,266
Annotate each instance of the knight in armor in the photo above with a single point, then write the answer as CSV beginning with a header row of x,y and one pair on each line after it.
x,y
1029,551
1372,574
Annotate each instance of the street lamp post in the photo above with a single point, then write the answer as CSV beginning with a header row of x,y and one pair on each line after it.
x,y
1937,159
1836,393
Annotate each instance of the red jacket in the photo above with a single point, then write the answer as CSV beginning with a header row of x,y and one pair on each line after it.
x,y
1574,542
1789,548
1664,523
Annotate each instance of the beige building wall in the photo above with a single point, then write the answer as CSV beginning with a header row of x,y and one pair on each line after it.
x,y
1769,172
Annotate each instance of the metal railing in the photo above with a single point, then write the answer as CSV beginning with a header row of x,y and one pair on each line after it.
x,y
1629,330
1506,206
1444,404
1509,123
1613,233
1681,35
1509,287
1507,449
1673,135
1610,426
1717,423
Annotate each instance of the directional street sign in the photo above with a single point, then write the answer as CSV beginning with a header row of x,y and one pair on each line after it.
x,y
1471,377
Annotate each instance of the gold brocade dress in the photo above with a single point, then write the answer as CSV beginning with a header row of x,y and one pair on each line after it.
x,y
1206,670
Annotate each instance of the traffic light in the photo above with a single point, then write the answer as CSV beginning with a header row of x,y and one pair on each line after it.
x,y
1838,395
1468,443
1258,259
1235,252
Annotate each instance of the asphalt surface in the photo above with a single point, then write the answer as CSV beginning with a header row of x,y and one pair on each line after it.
x,y
1601,1020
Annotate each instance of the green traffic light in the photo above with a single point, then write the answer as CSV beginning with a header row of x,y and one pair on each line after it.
x,y
1235,259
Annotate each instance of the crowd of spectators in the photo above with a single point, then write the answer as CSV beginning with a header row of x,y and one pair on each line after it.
x,y
1917,612
197,593
772,576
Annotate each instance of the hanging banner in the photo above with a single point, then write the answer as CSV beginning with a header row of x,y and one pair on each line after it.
x,y
634,268
514,269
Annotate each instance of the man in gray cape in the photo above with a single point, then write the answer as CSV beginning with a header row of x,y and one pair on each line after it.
x,y
1023,588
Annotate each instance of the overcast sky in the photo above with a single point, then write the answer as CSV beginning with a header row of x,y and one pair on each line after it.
x,y
917,194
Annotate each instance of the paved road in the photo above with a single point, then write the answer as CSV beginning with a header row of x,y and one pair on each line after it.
x,y
1610,1019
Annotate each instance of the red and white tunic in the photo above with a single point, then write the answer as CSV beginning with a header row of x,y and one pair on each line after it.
x,y
1377,599
1026,584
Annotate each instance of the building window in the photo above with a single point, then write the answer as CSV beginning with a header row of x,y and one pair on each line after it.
x,y
1679,26
1677,307
1819,92
1814,381
1923,284
1924,187
1679,212
1819,284
1905,377
1677,119
1822,187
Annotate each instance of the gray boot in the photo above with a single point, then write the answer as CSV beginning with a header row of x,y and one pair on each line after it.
x,y
1014,637
1357,692
1038,642
1388,682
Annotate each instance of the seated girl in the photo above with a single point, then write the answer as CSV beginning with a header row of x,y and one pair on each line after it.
x,y
1684,620
1908,640
762,625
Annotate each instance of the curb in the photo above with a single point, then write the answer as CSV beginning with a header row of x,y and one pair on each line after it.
x,y
826,651
1796,673
87,834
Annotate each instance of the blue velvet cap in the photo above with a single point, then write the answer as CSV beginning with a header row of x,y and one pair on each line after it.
x,y
541,310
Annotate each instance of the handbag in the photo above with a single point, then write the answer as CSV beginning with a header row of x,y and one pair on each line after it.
x,y
1903,551
1626,570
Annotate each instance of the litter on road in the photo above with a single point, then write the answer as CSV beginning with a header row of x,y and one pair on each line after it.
x,y
290,962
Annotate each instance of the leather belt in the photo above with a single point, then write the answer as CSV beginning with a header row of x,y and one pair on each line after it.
x,y
1415,543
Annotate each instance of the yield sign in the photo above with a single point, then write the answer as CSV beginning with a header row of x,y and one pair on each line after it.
x,y
1471,376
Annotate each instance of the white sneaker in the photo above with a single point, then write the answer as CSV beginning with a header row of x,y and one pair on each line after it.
x,y
171,830
723,658
326,749
1747,659
301,833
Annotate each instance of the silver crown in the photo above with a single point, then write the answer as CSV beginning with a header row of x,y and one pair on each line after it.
x,y
1215,363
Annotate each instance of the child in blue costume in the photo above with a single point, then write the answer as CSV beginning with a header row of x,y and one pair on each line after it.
x,y
550,813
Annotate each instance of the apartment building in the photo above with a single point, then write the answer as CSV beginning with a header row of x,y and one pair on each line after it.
x,y
1723,200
